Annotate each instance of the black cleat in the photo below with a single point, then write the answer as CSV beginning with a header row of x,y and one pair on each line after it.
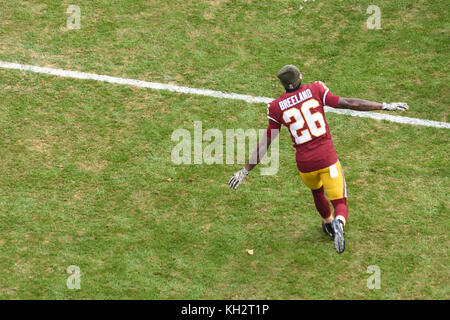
x,y
338,234
326,227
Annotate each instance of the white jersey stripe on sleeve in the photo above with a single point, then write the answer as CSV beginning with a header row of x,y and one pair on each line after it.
x,y
324,96
273,119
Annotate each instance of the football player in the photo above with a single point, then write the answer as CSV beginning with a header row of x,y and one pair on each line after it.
x,y
301,110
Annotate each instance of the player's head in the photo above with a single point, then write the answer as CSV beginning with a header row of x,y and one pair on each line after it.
x,y
290,77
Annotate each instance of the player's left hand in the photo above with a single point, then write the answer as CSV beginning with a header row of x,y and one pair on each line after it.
x,y
395,106
237,179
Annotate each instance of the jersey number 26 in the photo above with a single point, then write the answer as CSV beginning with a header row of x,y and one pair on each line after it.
x,y
296,122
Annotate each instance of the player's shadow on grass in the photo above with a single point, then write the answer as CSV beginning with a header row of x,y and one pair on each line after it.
x,y
314,237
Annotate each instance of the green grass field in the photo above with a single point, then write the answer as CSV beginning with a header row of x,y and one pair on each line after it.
x,y
87,177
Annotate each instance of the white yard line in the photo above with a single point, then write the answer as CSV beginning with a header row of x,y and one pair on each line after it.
x,y
210,93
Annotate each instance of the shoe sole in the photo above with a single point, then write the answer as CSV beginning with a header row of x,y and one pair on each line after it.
x,y
339,240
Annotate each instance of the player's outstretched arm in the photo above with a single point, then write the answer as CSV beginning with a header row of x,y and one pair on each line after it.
x,y
256,156
364,105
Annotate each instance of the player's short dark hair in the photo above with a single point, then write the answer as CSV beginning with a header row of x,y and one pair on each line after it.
x,y
289,76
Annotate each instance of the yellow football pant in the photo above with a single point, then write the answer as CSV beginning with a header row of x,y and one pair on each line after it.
x,y
331,178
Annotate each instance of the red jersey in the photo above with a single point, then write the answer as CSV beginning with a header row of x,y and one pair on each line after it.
x,y
303,114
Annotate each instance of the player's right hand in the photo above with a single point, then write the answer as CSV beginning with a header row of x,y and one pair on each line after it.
x,y
395,106
237,179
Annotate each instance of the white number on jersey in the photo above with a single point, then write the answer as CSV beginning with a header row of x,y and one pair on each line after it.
x,y
295,119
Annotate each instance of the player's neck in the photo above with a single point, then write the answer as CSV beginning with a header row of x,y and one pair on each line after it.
x,y
292,90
